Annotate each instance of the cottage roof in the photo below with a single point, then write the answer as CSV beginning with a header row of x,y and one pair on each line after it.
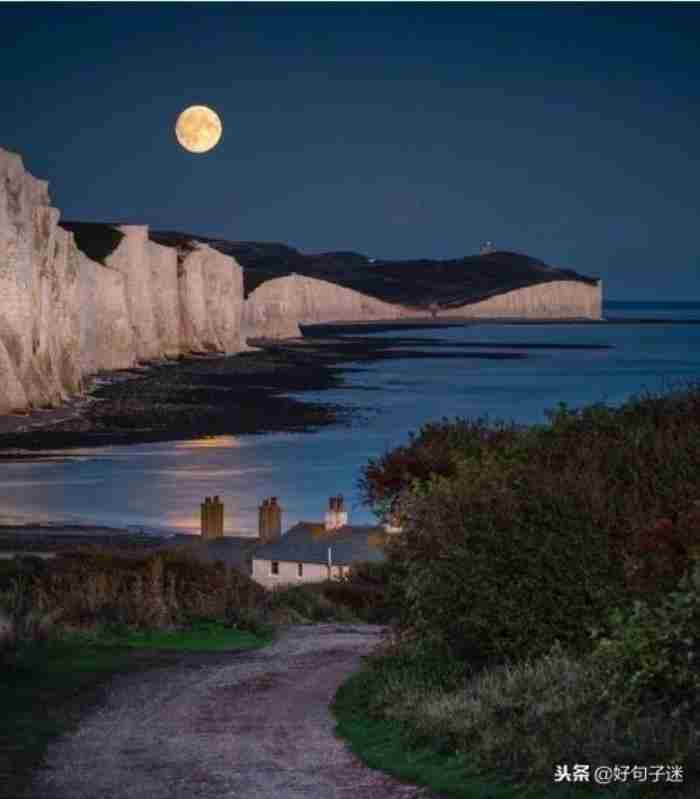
x,y
303,544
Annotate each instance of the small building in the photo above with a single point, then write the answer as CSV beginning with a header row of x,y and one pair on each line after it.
x,y
307,552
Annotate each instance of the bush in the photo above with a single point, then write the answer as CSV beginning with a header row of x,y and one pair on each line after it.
x,y
90,587
657,556
525,718
435,451
308,603
652,651
365,591
534,534
501,564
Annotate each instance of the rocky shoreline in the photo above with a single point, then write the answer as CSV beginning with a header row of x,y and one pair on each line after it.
x,y
241,394
195,397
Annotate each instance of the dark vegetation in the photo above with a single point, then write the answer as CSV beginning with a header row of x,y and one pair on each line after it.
x,y
95,239
548,581
415,283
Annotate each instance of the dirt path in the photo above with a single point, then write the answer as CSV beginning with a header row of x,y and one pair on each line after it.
x,y
252,725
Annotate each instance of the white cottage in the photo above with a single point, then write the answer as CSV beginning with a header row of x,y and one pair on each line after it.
x,y
313,552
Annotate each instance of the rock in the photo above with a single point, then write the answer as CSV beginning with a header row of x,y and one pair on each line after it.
x,y
132,258
211,299
65,315
276,308
561,299
39,285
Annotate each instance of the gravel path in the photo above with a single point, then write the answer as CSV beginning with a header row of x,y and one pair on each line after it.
x,y
251,725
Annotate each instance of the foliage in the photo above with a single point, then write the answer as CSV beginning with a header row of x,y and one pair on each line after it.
x,y
435,451
91,587
510,725
390,745
308,603
652,651
535,533
500,564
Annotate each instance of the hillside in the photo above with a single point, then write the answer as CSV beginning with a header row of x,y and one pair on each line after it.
x,y
414,283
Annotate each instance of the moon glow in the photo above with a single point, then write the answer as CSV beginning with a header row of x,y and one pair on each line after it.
x,y
198,129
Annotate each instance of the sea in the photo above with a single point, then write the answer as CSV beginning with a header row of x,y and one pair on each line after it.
x,y
158,488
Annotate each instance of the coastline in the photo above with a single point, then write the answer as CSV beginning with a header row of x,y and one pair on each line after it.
x,y
195,397
241,394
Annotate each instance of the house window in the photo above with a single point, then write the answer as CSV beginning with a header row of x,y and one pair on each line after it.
x,y
274,567
300,569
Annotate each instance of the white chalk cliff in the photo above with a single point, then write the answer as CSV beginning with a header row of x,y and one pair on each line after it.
x,y
64,316
560,299
276,308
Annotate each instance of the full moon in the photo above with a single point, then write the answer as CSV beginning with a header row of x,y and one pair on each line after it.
x,y
198,129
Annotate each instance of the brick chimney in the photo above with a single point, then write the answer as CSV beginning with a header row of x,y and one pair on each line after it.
x,y
336,515
212,513
269,521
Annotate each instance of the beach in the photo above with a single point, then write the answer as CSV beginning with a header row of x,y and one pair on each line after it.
x,y
210,395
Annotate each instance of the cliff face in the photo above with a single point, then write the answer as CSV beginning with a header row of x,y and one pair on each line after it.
x,y
561,299
65,315
131,259
165,293
211,301
106,334
39,290
276,308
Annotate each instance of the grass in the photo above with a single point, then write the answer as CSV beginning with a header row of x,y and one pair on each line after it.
x,y
389,745
204,636
403,745
48,685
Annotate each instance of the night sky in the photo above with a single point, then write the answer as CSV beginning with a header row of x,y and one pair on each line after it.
x,y
568,132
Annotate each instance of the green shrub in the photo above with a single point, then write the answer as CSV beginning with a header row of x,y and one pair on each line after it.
x,y
524,718
365,591
531,535
407,672
500,563
652,650
435,451
308,603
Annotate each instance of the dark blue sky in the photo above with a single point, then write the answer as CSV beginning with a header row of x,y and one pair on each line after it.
x,y
569,132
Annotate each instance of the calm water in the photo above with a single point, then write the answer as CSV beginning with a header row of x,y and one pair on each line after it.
x,y
158,487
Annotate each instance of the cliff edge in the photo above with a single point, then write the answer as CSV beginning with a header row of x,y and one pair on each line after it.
x,y
112,298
